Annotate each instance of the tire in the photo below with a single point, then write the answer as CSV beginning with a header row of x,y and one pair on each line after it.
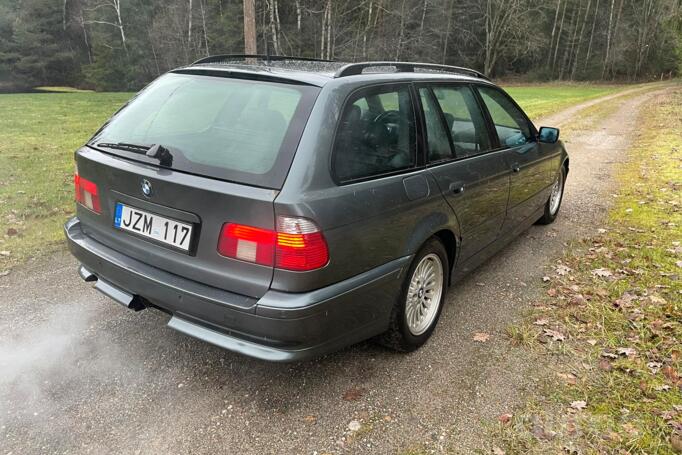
x,y
407,336
553,203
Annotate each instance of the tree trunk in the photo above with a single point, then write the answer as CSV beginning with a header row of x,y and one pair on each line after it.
x,y
568,50
580,40
551,41
250,27
203,24
589,46
85,37
608,40
558,39
272,11
189,25
447,31
401,34
367,28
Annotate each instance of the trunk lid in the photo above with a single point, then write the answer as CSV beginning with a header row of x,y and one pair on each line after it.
x,y
202,202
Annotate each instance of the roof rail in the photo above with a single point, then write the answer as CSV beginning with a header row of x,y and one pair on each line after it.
x,y
267,58
353,69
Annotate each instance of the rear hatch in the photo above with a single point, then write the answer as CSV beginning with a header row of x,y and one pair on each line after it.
x,y
187,155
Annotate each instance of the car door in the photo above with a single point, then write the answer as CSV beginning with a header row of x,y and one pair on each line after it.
x,y
517,138
472,176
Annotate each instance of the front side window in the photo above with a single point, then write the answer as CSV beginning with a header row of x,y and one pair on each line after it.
x,y
510,123
376,135
464,119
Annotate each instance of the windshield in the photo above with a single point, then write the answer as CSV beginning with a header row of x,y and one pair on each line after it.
x,y
232,129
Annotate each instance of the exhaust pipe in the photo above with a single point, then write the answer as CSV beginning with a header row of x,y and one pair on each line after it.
x,y
128,300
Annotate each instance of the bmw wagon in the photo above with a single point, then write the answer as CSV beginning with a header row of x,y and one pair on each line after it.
x,y
284,208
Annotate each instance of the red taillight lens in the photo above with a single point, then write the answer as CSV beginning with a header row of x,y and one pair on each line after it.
x,y
86,193
297,244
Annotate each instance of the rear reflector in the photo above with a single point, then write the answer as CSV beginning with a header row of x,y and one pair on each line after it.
x,y
297,244
86,193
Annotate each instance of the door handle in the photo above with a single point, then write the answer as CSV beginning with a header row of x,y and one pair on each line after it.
x,y
457,187
516,168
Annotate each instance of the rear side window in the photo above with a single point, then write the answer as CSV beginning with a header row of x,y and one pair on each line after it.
x,y
510,123
437,137
464,119
238,130
376,134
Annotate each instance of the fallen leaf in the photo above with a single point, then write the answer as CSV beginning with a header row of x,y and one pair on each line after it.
x,y
670,373
562,269
546,278
481,337
552,292
592,342
662,388
579,405
654,367
555,335
541,321
353,394
498,451
605,365
12,231
609,355
310,419
676,441
568,377
628,352
602,273
5,253
354,425
505,418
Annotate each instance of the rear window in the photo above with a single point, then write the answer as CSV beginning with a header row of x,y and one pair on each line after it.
x,y
232,129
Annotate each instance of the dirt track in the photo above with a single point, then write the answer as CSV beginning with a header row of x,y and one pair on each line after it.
x,y
79,373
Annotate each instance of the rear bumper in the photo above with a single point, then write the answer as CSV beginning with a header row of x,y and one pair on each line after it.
x,y
279,326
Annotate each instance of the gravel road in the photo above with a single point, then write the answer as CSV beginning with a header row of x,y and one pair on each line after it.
x,y
80,374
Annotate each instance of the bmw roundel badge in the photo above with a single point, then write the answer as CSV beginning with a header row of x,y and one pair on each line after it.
x,y
146,187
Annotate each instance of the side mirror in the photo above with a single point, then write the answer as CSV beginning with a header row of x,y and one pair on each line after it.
x,y
548,135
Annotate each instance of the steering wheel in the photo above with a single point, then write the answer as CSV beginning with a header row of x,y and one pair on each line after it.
x,y
387,117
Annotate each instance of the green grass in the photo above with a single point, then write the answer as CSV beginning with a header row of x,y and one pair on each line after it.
x,y
619,306
38,135
40,131
541,100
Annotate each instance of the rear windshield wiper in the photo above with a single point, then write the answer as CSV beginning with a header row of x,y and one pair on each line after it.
x,y
125,146
156,151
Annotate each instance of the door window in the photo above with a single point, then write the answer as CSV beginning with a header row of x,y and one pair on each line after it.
x,y
437,137
376,135
463,119
510,124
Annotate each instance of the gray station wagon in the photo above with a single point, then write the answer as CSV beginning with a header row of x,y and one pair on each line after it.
x,y
283,208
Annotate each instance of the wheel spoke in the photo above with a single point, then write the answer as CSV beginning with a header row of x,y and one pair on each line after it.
x,y
424,294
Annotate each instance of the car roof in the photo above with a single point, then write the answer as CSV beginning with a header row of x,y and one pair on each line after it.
x,y
321,72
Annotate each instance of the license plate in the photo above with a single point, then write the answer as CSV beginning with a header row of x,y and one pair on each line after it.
x,y
153,226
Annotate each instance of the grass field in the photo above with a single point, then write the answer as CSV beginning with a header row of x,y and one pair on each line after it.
x,y
40,131
616,301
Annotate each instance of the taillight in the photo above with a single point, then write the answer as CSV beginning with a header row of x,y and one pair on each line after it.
x,y
86,193
297,244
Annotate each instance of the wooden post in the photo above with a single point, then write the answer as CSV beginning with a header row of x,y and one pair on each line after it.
x,y
250,27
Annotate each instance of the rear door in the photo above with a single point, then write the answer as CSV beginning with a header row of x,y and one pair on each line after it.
x,y
516,136
230,143
473,177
